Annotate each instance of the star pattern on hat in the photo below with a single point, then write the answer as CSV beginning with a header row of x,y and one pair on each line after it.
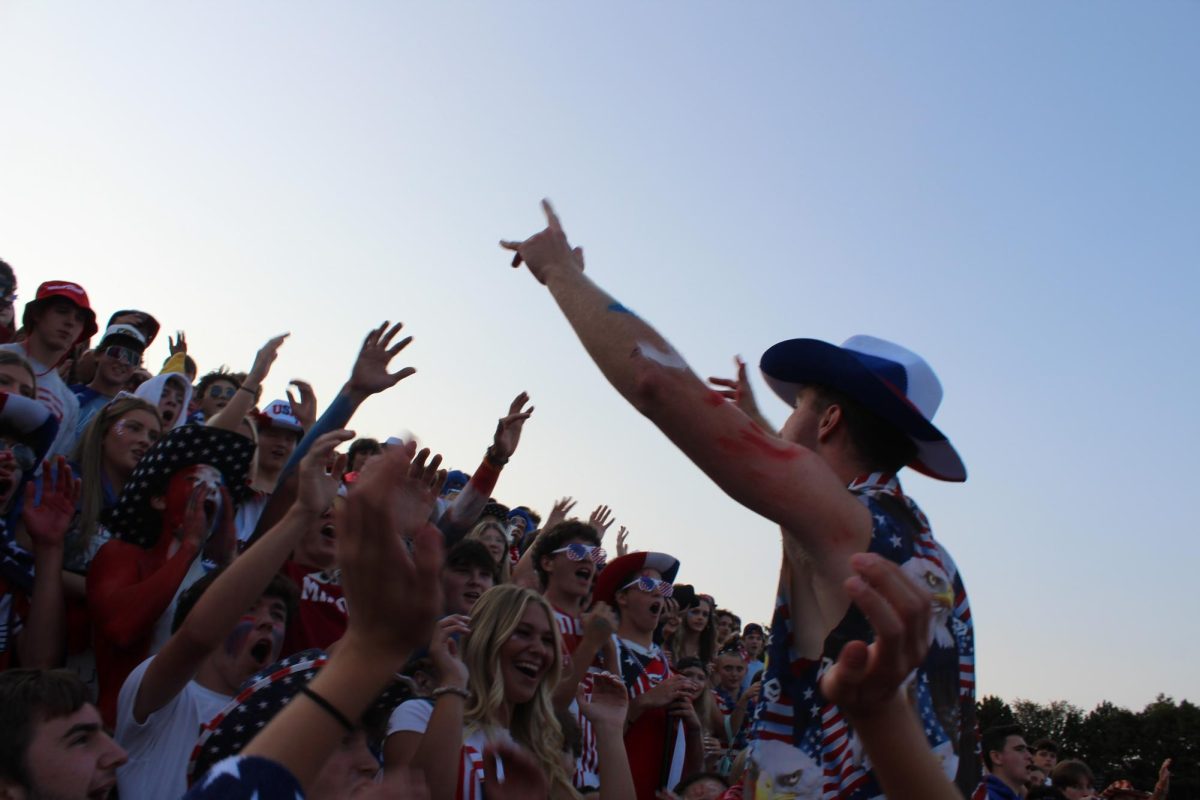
x,y
134,520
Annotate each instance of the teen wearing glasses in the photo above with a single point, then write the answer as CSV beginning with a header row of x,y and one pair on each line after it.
x,y
119,354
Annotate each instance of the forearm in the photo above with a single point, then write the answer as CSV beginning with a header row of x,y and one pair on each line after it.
x,y
581,660
217,612
125,613
303,735
441,747
616,780
903,762
624,347
468,505
45,629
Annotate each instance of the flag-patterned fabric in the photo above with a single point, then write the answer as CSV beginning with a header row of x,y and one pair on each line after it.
x,y
587,767
249,778
800,735
649,736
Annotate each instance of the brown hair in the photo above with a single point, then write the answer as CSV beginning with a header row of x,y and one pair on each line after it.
x,y
28,697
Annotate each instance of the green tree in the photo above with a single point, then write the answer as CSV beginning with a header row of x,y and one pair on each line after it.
x,y
992,711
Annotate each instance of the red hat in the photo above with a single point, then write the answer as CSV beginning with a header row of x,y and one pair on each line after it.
x,y
619,572
71,291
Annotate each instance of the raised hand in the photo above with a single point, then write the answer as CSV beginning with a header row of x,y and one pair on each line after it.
x,y
508,429
443,649
523,776
195,527
609,702
394,596
559,512
47,522
221,546
304,407
601,520
899,612
370,373
622,538
741,393
178,344
418,495
676,687
264,359
319,472
599,623
546,250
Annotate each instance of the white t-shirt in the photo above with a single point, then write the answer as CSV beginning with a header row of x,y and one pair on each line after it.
x,y
411,716
54,394
159,748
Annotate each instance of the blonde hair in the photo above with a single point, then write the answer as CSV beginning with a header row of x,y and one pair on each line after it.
x,y
89,455
9,357
504,567
494,619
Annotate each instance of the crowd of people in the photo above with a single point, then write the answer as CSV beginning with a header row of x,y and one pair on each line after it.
x,y
208,593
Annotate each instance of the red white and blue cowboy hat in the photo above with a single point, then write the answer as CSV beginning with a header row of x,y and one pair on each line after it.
x,y
894,383
620,572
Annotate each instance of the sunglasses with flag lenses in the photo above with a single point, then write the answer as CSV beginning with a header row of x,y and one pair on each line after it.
x,y
645,583
583,552
130,357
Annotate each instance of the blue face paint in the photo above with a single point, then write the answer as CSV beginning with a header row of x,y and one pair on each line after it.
x,y
237,637
617,308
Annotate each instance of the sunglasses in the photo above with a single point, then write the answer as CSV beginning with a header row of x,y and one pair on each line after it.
x,y
645,583
216,392
130,357
582,552
23,455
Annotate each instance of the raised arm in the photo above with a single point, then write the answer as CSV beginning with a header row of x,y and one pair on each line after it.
x,y
231,416
369,375
218,610
783,482
393,596
46,522
464,511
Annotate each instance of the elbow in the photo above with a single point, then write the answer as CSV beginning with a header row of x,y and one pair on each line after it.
x,y
650,389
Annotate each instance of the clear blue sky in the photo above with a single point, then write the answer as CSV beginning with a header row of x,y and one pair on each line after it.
x,y
1009,189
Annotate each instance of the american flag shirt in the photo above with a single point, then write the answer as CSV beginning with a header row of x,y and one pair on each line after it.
x,y
654,731
802,745
587,767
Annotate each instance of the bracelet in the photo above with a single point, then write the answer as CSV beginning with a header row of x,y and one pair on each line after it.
x,y
455,690
496,460
243,388
328,706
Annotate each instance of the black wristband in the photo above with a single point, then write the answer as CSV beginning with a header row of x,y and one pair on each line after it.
x,y
328,706
494,459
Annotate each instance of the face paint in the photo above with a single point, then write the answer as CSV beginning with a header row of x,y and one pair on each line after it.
x,y
617,308
714,399
668,358
179,493
238,636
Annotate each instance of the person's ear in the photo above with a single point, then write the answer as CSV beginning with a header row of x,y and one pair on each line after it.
x,y
831,417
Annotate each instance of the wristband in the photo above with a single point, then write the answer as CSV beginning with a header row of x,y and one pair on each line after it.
x,y
250,392
455,690
329,708
494,459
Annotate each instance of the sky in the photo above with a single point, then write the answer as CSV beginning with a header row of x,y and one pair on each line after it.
x,y
1011,190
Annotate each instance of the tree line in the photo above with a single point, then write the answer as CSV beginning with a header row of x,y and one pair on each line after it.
x,y
1115,742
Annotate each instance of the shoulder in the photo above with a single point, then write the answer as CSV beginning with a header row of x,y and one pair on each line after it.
x,y
239,777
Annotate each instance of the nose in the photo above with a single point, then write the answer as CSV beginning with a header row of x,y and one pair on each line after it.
x,y
115,756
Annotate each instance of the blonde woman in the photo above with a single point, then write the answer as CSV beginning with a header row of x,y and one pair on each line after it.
x,y
499,694
492,534
111,445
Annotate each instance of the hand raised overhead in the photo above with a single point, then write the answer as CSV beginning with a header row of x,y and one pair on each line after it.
x,y
546,250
